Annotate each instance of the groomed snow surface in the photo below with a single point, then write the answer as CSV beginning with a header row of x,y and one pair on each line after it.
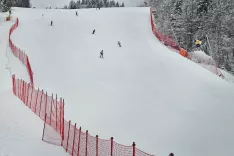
x,y
141,92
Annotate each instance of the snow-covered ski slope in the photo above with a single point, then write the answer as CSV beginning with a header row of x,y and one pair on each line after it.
x,y
141,92
20,129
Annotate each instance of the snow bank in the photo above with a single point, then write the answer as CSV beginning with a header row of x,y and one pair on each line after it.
x,y
202,57
229,77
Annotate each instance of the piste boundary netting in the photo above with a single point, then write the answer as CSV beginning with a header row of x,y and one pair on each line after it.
x,y
169,42
58,131
79,143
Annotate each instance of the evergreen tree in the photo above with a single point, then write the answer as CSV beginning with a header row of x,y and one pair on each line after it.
x,y
117,4
93,3
72,5
5,5
122,5
83,2
105,3
112,3
78,4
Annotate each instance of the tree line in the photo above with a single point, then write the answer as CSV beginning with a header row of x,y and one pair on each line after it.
x,y
210,21
5,5
93,4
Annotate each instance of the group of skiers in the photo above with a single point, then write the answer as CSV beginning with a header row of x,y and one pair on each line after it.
x,y
101,52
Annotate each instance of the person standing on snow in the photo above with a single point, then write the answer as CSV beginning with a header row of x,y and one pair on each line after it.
x,y
101,54
171,154
198,43
119,44
93,31
76,13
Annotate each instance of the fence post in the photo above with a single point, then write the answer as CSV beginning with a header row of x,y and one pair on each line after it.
x,y
27,93
96,145
62,135
31,97
51,108
133,149
56,107
86,148
68,135
22,90
13,83
46,104
74,139
36,101
63,119
19,88
61,125
78,150
17,94
42,94
17,22
112,143
44,128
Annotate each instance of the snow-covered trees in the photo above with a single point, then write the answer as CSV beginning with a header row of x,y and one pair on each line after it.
x,y
188,20
5,5
93,4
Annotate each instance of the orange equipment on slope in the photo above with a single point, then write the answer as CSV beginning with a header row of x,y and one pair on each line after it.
x,y
8,18
183,52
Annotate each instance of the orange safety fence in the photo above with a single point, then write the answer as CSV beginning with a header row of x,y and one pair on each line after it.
x,y
57,130
40,103
79,143
19,53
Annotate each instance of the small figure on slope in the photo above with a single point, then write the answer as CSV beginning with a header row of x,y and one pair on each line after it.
x,y
76,13
198,44
171,154
93,31
101,54
51,23
119,44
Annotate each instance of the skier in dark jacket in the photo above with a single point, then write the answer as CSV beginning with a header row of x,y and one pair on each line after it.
x,y
76,13
119,44
93,31
101,54
51,23
171,154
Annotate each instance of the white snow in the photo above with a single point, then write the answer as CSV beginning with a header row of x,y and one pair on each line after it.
x,y
202,57
229,77
20,129
140,92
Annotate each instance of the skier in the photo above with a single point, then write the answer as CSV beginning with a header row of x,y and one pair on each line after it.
x,y
198,44
76,13
93,31
101,54
51,23
119,44
171,154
